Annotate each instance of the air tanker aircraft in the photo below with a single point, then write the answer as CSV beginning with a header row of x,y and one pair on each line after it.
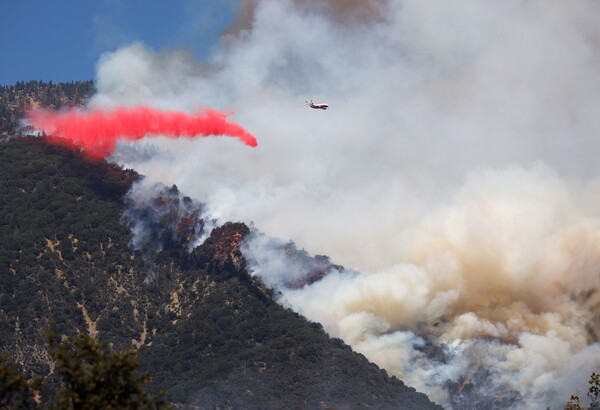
x,y
316,106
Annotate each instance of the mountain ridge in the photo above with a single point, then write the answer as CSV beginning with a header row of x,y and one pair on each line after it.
x,y
203,317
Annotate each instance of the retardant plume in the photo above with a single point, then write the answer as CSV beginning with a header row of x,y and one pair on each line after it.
x,y
98,131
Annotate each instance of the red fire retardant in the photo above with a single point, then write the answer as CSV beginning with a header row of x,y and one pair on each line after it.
x,y
96,132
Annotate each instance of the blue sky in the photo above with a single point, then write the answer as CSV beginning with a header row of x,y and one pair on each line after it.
x,y
61,40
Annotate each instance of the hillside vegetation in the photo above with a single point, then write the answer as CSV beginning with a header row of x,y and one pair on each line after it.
x,y
16,99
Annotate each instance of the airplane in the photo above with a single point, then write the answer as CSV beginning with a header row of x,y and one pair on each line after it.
x,y
312,104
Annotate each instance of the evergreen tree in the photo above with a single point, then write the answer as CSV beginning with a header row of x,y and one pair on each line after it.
x,y
15,391
93,377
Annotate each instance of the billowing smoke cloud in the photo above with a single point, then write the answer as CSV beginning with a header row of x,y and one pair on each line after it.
x,y
97,132
455,174
498,287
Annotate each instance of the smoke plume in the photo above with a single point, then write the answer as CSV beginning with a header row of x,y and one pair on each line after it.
x,y
96,132
498,288
455,176
161,219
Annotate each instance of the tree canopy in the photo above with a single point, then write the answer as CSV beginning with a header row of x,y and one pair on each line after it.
x,y
92,376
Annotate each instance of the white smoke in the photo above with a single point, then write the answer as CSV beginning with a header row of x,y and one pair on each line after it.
x,y
456,169
501,273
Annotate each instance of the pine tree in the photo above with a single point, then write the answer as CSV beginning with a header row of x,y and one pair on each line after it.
x,y
93,377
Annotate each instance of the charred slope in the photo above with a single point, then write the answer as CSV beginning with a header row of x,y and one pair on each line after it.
x,y
212,334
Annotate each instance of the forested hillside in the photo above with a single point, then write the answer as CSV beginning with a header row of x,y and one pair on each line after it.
x,y
16,99
211,333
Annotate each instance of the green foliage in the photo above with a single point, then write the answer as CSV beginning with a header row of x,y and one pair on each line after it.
x,y
93,377
96,378
15,391
594,390
593,393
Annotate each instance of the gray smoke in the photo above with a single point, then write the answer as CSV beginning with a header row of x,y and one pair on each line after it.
x,y
161,219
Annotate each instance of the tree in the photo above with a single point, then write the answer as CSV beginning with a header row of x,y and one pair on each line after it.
x,y
593,393
93,377
96,378
15,391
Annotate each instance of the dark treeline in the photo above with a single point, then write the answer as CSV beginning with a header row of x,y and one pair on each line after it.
x,y
16,99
